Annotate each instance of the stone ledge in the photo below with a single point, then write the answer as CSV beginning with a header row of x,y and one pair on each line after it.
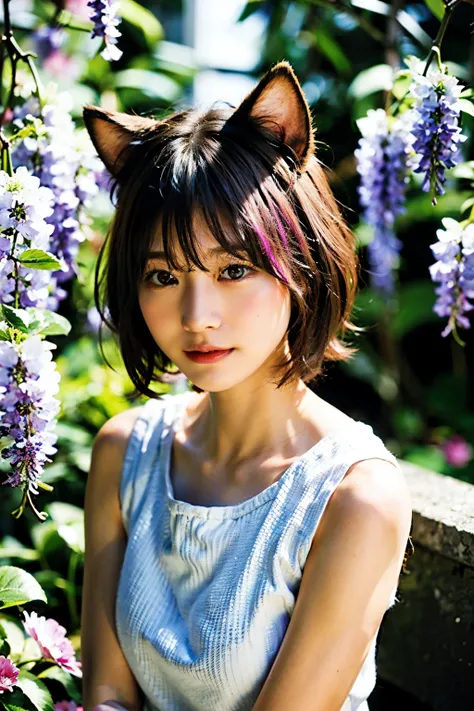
x,y
443,513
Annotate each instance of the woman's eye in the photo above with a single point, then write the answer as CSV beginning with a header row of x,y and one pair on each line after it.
x,y
236,271
160,277
163,278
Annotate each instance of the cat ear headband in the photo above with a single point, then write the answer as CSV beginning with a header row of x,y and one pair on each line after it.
x,y
277,102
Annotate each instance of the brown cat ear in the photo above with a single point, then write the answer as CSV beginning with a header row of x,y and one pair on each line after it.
x,y
279,103
112,133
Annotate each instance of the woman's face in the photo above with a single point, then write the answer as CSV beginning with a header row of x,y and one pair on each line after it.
x,y
233,306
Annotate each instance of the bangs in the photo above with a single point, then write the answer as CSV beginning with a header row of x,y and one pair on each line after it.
x,y
194,171
223,180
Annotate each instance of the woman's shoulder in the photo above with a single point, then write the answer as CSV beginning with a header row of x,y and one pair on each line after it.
x,y
113,437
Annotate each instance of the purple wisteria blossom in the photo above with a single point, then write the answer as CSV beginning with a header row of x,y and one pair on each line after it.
x,y
454,271
25,205
47,40
52,642
8,674
73,173
104,16
382,164
28,382
434,125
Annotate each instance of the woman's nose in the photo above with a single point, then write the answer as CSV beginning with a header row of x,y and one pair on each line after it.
x,y
200,306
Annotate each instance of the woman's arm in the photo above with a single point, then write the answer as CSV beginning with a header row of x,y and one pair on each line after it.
x,y
351,570
106,674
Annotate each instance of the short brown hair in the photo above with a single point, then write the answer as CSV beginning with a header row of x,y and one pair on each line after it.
x,y
262,191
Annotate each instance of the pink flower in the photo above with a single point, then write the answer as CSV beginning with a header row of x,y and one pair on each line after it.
x,y
59,63
52,641
8,674
457,451
67,706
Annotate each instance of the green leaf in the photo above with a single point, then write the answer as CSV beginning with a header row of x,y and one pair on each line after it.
x,y
415,307
467,204
36,691
70,524
330,48
48,323
14,634
73,536
378,78
73,434
43,536
17,701
436,7
4,335
65,679
401,84
63,513
464,170
420,209
466,106
18,318
39,259
18,587
142,20
10,547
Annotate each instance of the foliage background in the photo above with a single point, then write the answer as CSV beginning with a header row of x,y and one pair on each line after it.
x,y
415,388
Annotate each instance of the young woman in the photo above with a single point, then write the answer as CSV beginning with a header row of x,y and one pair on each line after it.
x,y
243,540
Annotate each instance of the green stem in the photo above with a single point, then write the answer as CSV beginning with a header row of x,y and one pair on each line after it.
x,y
6,154
435,50
11,47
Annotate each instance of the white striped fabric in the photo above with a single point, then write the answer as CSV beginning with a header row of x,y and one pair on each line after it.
x,y
206,592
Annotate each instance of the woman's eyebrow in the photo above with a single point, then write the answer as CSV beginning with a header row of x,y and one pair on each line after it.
x,y
213,252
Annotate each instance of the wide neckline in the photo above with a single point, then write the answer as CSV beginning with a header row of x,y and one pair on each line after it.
x,y
173,414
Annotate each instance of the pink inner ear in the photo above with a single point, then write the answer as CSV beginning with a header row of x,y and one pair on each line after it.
x,y
282,103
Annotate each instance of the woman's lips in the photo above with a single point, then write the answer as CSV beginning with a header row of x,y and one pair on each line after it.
x,y
209,357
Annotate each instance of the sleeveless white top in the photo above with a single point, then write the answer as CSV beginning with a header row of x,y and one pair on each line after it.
x,y
206,592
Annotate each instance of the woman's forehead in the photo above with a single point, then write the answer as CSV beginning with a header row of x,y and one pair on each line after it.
x,y
204,242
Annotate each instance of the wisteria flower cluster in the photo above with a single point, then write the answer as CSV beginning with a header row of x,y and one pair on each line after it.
x,y
28,382
24,207
454,272
382,164
50,148
52,642
435,129
104,17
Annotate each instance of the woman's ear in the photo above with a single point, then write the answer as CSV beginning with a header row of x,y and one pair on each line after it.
x,y
113,133
278,102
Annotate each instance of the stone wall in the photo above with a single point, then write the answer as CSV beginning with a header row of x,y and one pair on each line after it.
x,y
426,642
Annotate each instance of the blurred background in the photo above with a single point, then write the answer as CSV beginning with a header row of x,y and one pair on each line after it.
x,y
414,387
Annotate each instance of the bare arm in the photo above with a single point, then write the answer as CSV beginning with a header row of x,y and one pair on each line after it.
x,y
106,674
352,568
